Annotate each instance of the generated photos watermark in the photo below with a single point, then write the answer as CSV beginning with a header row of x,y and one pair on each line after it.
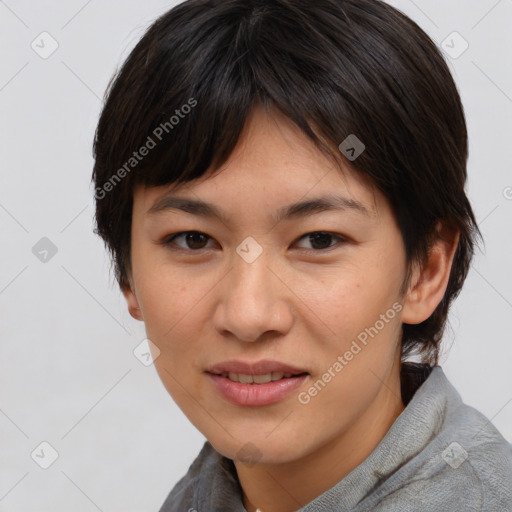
x,y
137,156
305,397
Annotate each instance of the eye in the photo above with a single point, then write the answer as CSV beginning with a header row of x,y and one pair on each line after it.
x,y
193,240
320,240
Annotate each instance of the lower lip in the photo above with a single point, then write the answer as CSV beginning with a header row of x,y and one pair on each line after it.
x,y
256,394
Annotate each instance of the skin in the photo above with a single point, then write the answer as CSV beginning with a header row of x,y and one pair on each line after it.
x,y
205,304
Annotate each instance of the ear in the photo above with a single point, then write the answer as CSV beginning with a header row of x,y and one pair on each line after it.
x,y
428,283
132,302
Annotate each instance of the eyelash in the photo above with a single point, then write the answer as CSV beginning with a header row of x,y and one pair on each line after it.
x,y
169,240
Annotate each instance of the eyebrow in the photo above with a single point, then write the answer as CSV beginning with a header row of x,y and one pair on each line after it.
x,y
296,210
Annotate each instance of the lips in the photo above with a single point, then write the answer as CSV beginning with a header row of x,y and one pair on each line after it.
x,y
262,367
256,384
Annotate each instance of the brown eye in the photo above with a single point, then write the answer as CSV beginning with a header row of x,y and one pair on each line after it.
x,y
321,240
194,240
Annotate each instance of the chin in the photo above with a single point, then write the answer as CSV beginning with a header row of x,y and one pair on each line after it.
x,y
259,449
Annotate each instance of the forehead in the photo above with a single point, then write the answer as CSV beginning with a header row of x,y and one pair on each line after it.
x,y
273,164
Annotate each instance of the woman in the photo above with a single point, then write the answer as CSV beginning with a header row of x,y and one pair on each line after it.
x,y
281,186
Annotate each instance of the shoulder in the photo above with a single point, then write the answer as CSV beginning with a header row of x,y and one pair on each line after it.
x,y
448,456
459,472
465,465
182,494
208,482
476,458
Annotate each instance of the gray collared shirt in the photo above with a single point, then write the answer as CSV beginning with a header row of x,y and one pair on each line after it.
x,y
439,455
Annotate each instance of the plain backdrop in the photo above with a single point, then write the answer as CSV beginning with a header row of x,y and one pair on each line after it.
x,y
68,375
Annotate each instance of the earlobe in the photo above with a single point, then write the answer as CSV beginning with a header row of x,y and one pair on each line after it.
x,y
132,302
428,284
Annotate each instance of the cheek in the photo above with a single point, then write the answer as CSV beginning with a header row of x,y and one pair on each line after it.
x,y
177,307
163,291
175,320
350,298
169,307
167,297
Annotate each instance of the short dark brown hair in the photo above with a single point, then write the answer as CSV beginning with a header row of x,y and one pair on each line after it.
x,y
335,68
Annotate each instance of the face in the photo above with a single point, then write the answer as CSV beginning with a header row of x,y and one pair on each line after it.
x,y
267,289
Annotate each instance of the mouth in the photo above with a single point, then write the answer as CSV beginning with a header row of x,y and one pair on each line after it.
x,y
258,372
255,384
263,378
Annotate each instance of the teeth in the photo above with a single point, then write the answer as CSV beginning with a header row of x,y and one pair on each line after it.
x,y
262,379
245,379
256,379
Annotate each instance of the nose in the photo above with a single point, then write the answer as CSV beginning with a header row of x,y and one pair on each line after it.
x,y
254,301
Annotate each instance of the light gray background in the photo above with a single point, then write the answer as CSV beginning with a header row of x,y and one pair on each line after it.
x,y
68,375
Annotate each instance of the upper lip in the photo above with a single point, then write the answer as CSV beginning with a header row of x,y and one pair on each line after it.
x,y
255,368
